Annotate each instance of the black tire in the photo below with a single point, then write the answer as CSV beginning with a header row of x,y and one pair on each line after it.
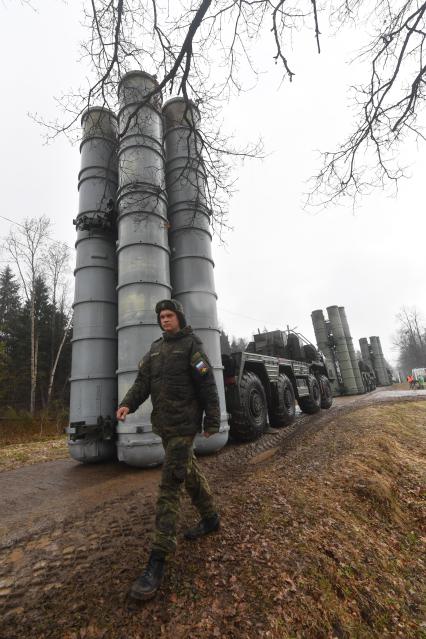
x,y
248,417
326,392
283,408
312,403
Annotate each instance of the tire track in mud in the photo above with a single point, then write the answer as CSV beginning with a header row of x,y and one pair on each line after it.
x,y
71,568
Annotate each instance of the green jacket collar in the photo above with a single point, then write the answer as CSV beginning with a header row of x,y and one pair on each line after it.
x,y
182,333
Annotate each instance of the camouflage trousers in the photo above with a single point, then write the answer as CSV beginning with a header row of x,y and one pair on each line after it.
x,y
180,469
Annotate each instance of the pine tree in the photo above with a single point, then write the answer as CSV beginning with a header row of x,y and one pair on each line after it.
x,y
238,344
43,314
10,336
9,298
225,346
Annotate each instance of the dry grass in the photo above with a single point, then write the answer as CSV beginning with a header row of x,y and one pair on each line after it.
x,y
31,441
17,455
39,429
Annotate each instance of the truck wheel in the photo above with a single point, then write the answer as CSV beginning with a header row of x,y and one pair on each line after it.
x,y
248,418
326,392
312,403
283,409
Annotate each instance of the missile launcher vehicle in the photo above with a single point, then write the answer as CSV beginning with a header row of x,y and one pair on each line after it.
x,y
368,376
264,382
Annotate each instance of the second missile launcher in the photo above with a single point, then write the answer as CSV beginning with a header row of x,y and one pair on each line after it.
x,y
264,382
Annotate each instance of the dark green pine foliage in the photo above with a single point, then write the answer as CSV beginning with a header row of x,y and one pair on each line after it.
x,y
225,346
10,338
238,344
15,348
43,314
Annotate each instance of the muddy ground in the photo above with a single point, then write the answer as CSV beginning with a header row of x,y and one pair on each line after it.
x,y
322,536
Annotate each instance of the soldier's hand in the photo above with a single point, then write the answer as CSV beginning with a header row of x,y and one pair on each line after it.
x,y
206,434
121,413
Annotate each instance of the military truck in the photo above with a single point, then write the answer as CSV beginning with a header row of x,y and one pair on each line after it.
x,y
263,383
368,376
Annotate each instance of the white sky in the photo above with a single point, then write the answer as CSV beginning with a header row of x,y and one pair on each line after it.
x,y
279,262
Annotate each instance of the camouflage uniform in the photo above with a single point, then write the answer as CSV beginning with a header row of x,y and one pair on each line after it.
x,y
177,374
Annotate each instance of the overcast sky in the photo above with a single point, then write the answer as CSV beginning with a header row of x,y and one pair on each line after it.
x,y
279,262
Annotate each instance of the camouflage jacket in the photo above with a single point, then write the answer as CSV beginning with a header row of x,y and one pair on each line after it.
x,y
177,374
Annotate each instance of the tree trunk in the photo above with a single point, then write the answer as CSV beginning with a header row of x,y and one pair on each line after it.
x,y
33,354
35,365
55,363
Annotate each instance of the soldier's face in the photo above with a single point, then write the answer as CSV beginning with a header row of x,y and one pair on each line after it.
x,y
169,321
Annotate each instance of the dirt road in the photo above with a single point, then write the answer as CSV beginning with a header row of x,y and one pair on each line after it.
x,y
41,495
73,537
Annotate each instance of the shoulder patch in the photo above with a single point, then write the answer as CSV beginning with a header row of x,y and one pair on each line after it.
x,y
199,363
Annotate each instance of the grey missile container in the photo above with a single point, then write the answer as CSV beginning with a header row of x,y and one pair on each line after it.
x,y
93,394
378,361
365,352
142,251
383,361
190,243
350,345
342,352
322,338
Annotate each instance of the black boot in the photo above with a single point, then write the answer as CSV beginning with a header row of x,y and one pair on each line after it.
x,y
204,527
146,586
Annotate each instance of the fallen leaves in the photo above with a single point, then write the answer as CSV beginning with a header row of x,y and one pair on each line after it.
x,y
304,551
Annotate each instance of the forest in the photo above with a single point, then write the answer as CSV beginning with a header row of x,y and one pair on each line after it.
x,y
50,324
35,321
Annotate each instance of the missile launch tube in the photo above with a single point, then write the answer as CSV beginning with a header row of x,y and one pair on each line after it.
x,y
383,361
142,251
321,335
93,392
379,362
190,243
351,350
342,352
365,352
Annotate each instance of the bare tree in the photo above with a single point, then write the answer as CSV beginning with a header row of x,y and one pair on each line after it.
x,y
56,260
389,103
26,247
410,339
55,361
198,48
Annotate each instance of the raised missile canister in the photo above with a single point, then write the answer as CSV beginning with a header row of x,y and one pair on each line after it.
x,y
388,382
351,350
143,253
93,399
342,352
379,362
322,337
365,352
190,243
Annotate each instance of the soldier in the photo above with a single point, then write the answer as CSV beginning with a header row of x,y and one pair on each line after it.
x,y
177,374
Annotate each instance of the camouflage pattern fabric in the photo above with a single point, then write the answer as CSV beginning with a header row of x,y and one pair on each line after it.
x,y
180,468
177,374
